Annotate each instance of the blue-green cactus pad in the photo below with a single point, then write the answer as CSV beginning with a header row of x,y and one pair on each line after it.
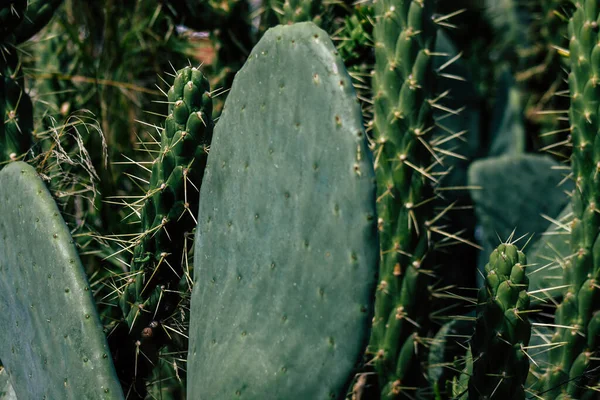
x,y
286,248
51,340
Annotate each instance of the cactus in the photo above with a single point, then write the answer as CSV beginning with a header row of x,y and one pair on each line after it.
x,y
158,277
402,94
39,13
11,15
19,20
502,331
16,128
286,245
576,317
52,341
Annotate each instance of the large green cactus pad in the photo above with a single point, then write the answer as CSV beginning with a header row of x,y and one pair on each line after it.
x,y
51,341
286,248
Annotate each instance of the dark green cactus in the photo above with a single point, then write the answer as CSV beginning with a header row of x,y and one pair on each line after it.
x,y
39,13
158,278
286,249
403,96
52,341
577,330
16,127
502,331
11,15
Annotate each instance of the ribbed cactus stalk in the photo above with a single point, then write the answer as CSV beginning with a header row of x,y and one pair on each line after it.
x,y
16,121
158,276
577,317
502,332
39,13
403,80
11,15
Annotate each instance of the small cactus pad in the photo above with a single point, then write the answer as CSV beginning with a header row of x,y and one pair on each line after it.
x,y
51,341
286,249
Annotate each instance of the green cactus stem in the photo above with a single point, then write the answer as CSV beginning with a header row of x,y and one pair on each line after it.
x,y
502,330
403,96
156,284
576,334
16,125
11,15
286,249
39,13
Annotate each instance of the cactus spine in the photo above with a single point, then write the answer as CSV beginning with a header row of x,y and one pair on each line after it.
x,y
577,317
500,364
403,79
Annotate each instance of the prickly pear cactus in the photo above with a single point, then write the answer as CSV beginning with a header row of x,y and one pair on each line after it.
x,y
158,268
286,246
403,97
502,331
51,341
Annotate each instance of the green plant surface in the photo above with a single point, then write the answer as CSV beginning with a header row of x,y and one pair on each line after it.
x,y
403,97
39,13
502,330
16,128
286,246
158,279
575,341
53,345
11,15
493,187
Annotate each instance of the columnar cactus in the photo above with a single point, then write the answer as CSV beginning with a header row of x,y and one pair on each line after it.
x,y
158,279
403,97
16,120
502,332
577,327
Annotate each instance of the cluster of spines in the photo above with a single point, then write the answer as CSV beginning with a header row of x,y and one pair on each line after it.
x,y
158,281
574,353
502,331
403,94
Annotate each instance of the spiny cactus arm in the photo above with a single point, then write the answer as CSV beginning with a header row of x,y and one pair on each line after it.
x,y
286,248
575,316
39,13
51,342
168,215
403,80
502,332
11,15
16,128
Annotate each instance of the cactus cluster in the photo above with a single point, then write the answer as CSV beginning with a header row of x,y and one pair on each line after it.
x,y
369,220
